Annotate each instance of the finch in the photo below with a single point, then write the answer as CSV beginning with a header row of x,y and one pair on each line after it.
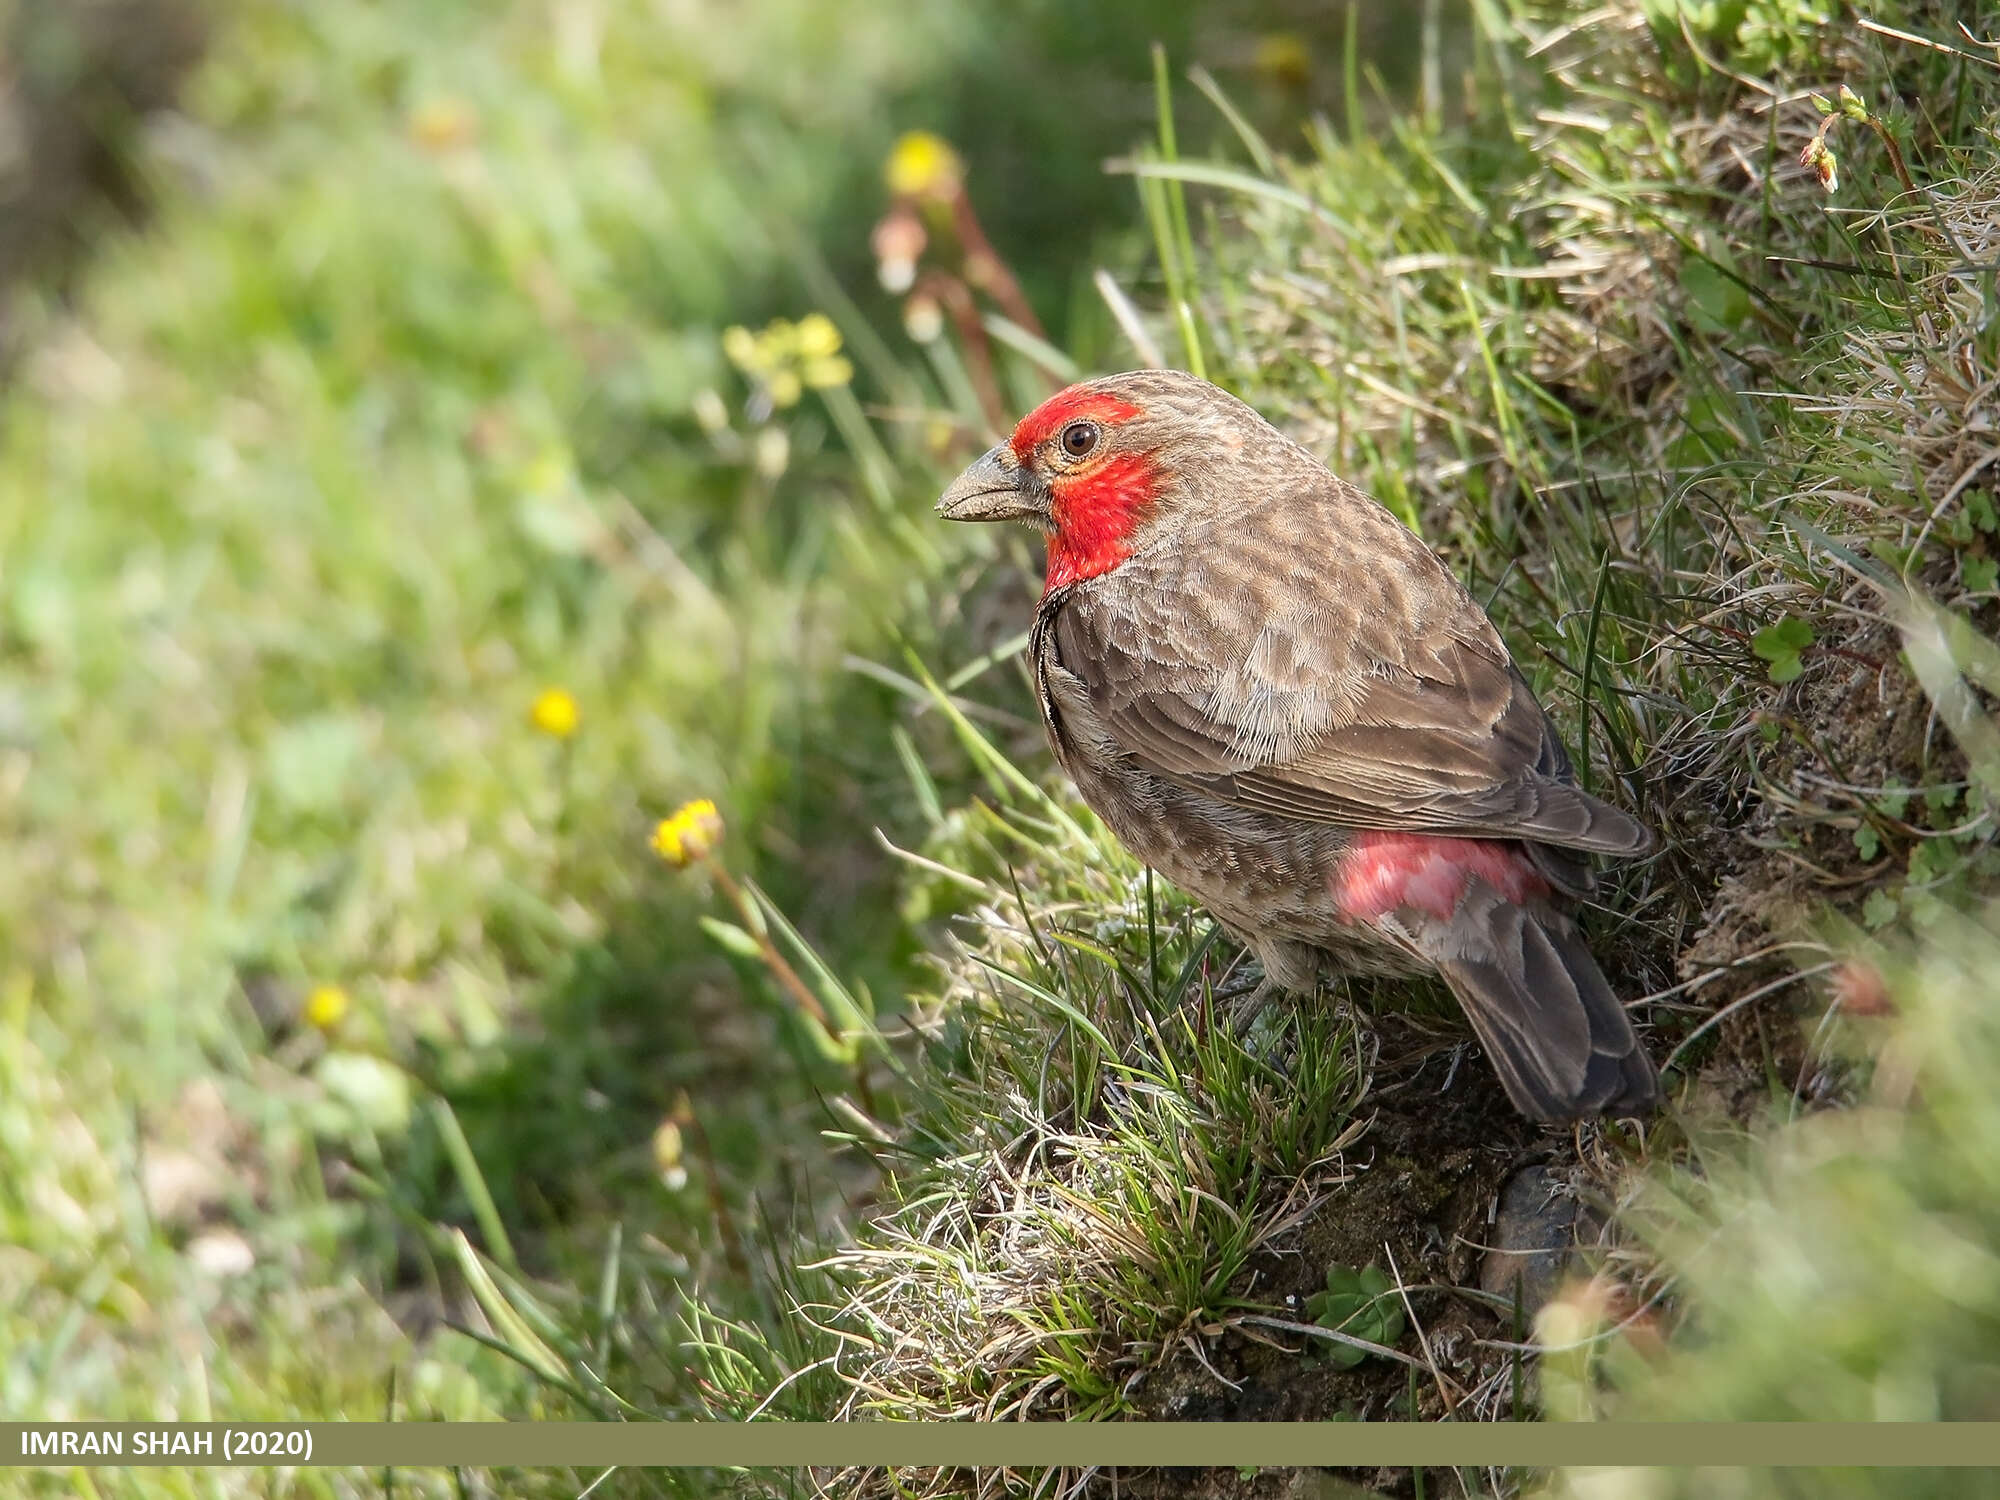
x,y
1278,697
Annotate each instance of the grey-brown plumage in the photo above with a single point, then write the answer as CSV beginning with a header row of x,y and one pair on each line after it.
x,y
1278,696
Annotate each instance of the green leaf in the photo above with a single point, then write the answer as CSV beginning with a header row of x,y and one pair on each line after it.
x,y
1978,574
1928,861
1925,908
733,938
1361,1302
1780,644
1868,841
1879,910
1716,298
1787,637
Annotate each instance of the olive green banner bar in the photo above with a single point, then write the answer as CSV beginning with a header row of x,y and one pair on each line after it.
x,y
989,1444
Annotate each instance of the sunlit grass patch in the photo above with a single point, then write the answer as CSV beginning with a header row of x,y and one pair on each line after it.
x,y
1092,1155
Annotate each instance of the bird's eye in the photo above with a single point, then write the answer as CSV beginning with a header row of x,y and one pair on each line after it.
x,y
1079,438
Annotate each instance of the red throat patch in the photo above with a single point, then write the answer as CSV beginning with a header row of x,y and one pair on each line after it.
x,y
1095,511
1097,505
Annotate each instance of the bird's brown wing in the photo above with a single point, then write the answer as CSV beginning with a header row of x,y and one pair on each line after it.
x,y
1312,659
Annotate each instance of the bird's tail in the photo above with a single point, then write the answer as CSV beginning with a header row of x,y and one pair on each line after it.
x,y
1561,1042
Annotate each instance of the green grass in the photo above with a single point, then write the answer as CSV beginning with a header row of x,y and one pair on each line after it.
x,y
1091,1157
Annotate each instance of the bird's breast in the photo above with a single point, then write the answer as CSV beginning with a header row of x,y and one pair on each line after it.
x,y
1231,858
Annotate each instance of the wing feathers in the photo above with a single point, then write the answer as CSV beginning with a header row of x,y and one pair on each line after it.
x,y
1245,666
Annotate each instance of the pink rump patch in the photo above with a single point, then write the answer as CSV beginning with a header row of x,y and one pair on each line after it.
x,y
1383,872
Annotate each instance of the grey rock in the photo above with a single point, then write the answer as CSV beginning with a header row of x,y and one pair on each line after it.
x,y
1536,1224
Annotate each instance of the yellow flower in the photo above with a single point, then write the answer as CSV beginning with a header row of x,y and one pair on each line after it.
x,y
778,344
787,357
827,372
554,713
740,345
924,166
784,387
689,834
326,1006
816,337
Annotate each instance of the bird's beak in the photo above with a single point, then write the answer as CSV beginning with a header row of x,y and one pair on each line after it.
x,y
994,488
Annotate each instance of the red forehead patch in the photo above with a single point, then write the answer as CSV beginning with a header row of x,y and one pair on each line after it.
x,y
1065,407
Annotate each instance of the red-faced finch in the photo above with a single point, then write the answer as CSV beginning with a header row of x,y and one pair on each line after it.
x,y
1277,696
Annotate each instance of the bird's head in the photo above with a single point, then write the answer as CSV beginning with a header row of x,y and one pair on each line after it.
x,y
1102,467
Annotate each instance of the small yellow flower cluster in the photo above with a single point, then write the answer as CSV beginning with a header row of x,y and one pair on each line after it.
x,y
787,357
690,834
924,166
326,1007
554,713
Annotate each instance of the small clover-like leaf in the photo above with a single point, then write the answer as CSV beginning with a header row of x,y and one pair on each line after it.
x,y
1781,644
1924,907
1789,634
1978,574
1879,910
1939,802
1927,861
1868,841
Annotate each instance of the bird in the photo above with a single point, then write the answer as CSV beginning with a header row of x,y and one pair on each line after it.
x,y
1275,694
